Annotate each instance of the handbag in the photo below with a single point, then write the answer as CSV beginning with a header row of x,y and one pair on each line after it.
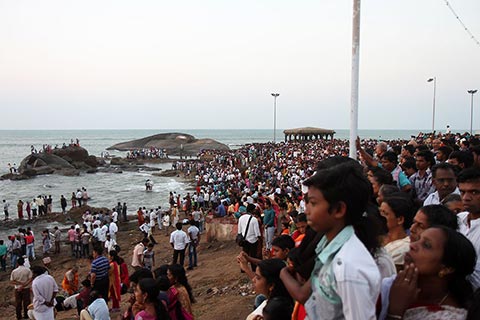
x,y
241,239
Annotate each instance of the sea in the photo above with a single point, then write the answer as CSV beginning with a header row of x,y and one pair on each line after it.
x,y
106,189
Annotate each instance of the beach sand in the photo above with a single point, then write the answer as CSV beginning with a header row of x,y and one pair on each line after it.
x,y
217,282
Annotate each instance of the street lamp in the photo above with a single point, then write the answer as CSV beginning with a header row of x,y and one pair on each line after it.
x,y
472,92
434,79
275,95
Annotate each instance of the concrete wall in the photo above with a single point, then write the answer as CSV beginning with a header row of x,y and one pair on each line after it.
x,y
220,229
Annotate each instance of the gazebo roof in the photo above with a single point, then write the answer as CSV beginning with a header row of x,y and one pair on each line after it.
x,y
308,130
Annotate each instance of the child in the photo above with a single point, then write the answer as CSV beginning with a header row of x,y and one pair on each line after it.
x,y
149,257
345,281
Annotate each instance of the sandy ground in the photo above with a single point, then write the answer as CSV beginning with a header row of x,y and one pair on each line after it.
x,y
221,291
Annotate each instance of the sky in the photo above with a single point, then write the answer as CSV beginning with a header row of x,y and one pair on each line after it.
x,y
213,64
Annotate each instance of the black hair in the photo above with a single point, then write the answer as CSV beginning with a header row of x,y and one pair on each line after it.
x,y
163,283
283,242
442,166
270,270
306,252
302,217
150,287
178,273
421,147
464,157
161,271
332,161
402,206
428,156
390,156
440,215
343,183
458,254
388,190
409,163
409,148
98,249
446,150
469,175
86,283
381,175
115,256
140,274
38,270
94,295
278,308
178,225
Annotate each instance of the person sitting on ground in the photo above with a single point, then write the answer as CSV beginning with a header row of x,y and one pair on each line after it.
x,y
84,295
70,281
97,309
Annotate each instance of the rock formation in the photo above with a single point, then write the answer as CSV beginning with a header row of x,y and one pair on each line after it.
x,y
179,144
66,161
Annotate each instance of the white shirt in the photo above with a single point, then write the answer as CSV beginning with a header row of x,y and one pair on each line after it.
x,y
193,231
472,232
43,287
115,216
179,239
153,216
98,309
434,198
112,228
253,229
349,277
102,233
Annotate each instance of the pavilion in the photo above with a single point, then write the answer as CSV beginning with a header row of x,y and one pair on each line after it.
x,y
308,134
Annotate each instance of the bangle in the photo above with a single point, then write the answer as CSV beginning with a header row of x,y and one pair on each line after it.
x,y
394,316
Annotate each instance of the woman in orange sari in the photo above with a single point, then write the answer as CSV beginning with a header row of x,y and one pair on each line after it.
x,y
114,281
70,281
141,219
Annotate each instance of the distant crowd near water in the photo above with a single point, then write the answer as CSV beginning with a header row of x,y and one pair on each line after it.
x,y
394,234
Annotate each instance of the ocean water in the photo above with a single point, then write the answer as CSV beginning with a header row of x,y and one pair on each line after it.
x,y
106,189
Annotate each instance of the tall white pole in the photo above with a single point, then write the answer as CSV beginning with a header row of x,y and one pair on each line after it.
x,y
472,92
275,95
355,74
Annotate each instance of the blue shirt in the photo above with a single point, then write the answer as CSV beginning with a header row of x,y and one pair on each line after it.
x,y
268,217
98,310
100,267
221,210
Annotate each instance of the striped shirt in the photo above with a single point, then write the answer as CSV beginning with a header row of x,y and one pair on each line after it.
x,y
100,267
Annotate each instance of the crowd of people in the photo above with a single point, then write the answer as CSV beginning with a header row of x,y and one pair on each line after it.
x,y
150,153
390,236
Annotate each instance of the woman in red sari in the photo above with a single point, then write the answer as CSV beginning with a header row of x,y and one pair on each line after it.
x,y
180,294
114,280
141,219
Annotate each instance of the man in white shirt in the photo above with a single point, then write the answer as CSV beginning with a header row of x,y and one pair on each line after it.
x,y
44,290
444,180
114,216
112,230
179,241
21,278
252,234
469,221
137,258
194,235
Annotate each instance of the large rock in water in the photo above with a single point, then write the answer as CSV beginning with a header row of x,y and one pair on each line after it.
x,y
174,143
65,161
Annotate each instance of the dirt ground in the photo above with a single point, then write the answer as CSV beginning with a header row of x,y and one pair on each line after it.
x,y
220,290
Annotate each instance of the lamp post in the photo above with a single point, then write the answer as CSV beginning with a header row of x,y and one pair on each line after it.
x,y
434,79
275,95
472,92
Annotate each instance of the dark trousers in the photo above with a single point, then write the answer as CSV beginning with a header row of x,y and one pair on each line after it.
x,y
3,262
102,285
22,300
180,253
252,250
192,256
